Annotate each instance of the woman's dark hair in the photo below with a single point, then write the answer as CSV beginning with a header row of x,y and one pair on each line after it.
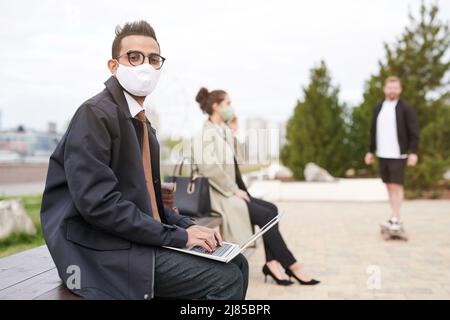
x,y
137,28
206,99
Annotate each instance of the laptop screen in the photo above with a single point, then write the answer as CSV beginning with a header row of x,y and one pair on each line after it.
x,y
262,230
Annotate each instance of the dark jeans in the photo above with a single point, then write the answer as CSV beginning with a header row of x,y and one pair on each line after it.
x,y
185,276
262,212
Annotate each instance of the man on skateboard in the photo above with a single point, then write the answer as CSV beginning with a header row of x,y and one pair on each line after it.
x,y
394,138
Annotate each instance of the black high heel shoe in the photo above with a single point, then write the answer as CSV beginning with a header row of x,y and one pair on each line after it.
x,y
311,282
280,282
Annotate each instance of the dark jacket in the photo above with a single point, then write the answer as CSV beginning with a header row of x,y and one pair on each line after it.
x,y
96,213
407,128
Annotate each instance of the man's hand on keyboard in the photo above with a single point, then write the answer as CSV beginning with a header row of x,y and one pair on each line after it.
x,y
203,237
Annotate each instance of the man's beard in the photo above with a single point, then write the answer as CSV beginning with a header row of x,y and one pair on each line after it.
x,y
393,96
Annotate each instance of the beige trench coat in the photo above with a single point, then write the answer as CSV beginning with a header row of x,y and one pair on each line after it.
x,y
214,157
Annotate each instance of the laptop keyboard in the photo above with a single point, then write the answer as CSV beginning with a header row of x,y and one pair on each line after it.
x,y
218,252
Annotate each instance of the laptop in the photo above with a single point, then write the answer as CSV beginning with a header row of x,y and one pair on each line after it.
x,y
228,251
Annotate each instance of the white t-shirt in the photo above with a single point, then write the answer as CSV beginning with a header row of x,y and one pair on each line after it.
x,y
387,138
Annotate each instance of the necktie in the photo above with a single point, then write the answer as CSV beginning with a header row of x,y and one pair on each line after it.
x,y
146,162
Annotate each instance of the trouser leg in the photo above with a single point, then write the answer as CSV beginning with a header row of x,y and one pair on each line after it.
x,y
261,212
180,275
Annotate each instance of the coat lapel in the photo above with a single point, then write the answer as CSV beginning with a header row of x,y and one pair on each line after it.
x,y
154,151
115,89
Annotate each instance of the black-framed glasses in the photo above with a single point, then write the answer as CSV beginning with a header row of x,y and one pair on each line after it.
x,y
136,58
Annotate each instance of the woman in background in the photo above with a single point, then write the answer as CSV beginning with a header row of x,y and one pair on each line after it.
x,y
215,155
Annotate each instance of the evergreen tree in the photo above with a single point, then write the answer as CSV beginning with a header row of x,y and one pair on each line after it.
x,y
316,131
420,59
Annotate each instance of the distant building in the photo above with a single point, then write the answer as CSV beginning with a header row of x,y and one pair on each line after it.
x,y
51,128
28,145
154,120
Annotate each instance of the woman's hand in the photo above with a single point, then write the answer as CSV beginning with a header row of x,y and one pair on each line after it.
x,y
242,194
233,125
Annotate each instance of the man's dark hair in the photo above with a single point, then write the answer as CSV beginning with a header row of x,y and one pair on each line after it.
x,y
137,28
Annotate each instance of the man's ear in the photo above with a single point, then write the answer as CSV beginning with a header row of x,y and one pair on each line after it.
x,y
112,66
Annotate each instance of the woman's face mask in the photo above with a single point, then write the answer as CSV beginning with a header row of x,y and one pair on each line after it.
x,y
227,113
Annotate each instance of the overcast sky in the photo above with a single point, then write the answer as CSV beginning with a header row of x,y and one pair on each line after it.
x,y
54,53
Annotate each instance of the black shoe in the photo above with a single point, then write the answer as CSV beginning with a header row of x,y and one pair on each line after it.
x,y
311,282
267,272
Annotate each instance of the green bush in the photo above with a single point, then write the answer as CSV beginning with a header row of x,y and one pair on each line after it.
x,y
316,131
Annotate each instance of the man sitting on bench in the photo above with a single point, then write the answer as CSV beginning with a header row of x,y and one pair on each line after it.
x,y
102,211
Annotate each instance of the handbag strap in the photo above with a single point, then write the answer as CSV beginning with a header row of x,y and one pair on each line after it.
x,y
194,166
179,166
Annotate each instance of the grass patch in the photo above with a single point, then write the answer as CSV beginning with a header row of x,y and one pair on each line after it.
x,y
248,168
20,241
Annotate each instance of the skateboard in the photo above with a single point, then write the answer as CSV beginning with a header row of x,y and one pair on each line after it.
x,y
388,234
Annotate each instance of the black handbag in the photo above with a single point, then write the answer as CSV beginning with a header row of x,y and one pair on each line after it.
x,y
191,194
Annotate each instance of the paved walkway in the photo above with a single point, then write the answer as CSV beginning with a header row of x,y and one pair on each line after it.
x,y
339,243
362,190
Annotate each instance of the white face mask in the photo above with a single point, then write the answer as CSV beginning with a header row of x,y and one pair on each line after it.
x,y
140,81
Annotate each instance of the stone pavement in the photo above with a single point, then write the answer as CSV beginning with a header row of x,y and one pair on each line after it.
x,y
370,190
339,243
